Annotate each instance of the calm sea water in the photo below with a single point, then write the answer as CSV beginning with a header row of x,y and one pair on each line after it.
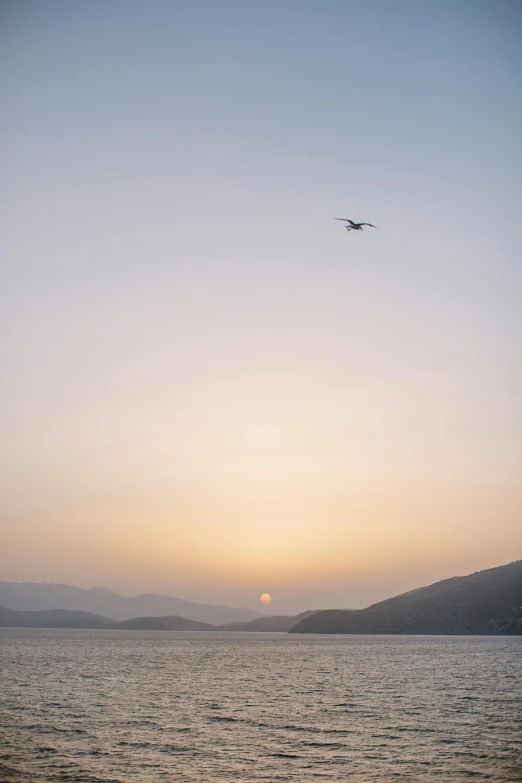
x,y
100,706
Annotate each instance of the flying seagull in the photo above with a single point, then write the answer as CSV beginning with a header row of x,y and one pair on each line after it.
x,y
355,226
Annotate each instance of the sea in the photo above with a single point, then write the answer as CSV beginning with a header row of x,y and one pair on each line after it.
x,y
153,707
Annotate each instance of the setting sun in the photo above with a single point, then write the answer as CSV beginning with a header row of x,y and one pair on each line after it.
x,y
212,386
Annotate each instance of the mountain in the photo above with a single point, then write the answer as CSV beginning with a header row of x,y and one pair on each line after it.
x,y
486,602
66,618
80,623
276,623
52,618
170,623
32,596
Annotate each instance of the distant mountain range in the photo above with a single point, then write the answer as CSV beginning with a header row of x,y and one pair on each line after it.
x,y
31,596
52,618
270,624
486,602
68,618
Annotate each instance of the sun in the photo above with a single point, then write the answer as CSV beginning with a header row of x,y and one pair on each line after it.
x,y
265,598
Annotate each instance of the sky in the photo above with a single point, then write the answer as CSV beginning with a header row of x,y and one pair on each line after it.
x,y
210,389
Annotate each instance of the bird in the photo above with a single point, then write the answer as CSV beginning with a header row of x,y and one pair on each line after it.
x,y
356,226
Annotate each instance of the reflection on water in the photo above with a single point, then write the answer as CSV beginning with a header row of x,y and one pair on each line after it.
x,y
100,706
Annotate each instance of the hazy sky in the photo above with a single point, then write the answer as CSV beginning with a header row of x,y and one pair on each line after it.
x,y
210,388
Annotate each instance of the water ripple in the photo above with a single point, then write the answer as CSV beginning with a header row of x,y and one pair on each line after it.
x,y
141,707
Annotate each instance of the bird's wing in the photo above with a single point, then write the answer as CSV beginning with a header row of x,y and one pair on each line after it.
x,y
344,219
371,225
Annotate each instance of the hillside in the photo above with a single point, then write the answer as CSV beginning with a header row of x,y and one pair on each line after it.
x,y
486,602
169,623
32,596
52,618
64,618
274,624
